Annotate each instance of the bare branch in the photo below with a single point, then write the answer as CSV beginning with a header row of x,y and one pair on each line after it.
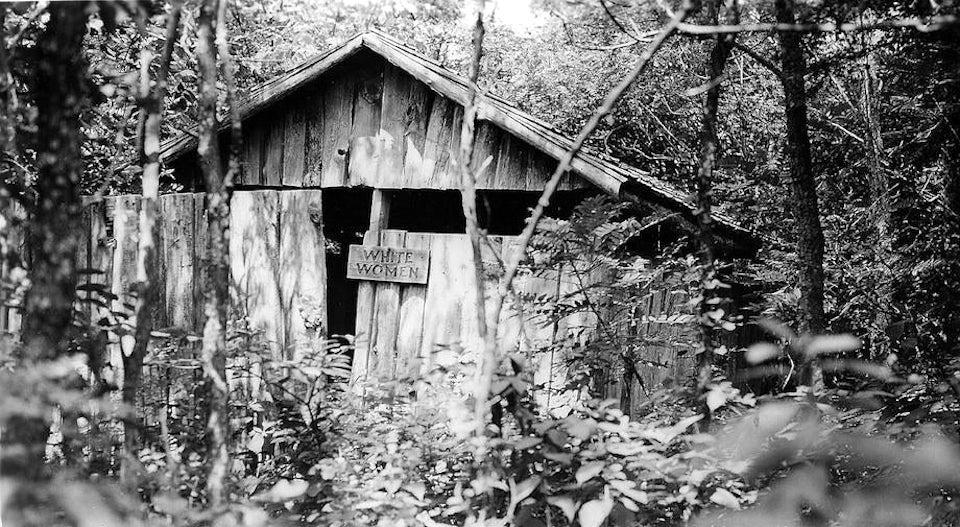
x,y
613,18
760,59
631,42
923,25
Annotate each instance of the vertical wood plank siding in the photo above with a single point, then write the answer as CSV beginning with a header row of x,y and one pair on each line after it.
x,y
302,269
279,278
251,165
255,263
278,264
178,251
273,134
369,123
412,323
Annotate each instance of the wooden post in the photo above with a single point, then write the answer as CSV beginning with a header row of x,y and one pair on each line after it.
x,y
386,317
379,213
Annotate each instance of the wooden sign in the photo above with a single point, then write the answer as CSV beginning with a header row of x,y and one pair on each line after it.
x,y
388,264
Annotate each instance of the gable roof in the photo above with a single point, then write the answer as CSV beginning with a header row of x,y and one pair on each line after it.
x,y
609,174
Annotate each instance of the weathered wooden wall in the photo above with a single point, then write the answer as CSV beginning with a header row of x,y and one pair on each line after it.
x,y
369,123
401,326
278,265
280,285
109,254
283,302
666,337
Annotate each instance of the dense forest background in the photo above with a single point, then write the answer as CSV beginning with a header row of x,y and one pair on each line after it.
x,y
834,136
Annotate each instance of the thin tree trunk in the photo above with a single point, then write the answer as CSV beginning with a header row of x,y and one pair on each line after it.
x,y
879,185
803,183
709,145
151,101
230,83
881,202
217,262
8,107
487,361
948,55
52,234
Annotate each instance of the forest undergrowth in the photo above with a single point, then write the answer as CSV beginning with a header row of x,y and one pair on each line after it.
x,y
876,446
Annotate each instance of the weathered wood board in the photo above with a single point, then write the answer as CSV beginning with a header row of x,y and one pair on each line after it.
x,y
366,291
442,140
366,298
201,239
338,97
388,264
251,153
366,144
100,258
126,224
386,311
179,253
255,263
273,151
312,107
412,305
303,273
294,147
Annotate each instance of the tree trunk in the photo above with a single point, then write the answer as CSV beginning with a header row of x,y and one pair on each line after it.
x,y
487,365
52,234
881,203
217,261
709,145
8,109
949,58
803,184
147,275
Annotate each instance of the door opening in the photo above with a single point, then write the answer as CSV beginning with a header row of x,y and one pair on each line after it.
x,y
346,214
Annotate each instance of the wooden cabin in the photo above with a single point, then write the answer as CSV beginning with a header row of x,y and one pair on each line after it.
x,y
357,147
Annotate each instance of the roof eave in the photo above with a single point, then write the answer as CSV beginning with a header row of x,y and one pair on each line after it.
x,y
270,91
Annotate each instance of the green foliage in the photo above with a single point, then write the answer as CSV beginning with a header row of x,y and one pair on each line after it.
x,y
606,280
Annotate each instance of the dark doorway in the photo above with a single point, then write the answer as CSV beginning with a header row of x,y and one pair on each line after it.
x,y
425,210
499,212
346,216
505,212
